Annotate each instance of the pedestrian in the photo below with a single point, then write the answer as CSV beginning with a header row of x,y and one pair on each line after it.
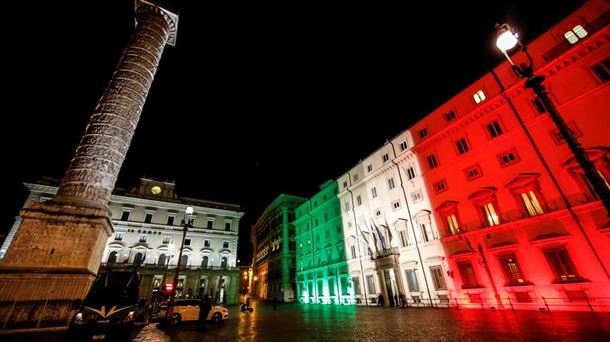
x,y
380,300
205,306
274,303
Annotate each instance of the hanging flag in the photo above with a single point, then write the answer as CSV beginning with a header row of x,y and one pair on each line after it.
x,y
368,246
374,239
381,238
387,227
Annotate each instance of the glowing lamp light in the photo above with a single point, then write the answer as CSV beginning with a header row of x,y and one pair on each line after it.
x,y
506,38
189,210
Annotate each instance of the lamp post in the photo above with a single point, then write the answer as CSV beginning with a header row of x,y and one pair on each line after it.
x,y
186,223
507,39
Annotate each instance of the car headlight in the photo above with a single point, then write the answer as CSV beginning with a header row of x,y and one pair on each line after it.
x,y
129,317
78,318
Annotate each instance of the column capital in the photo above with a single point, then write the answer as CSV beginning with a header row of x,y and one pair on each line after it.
x,y
170,15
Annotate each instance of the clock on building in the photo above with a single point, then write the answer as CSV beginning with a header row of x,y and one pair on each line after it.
x,y
155,190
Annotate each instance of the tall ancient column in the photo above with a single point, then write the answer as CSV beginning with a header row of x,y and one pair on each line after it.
x,y
57,250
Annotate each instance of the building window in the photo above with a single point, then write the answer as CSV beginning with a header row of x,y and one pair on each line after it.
x,y
396,205
148,218
207,243
167,240
479,96
473,172
485,201
170,220
437,278
562,265
423,133
345,184
410,172
602,71
403,146
539,105
511,269
391,184
374,192
462,146
227,226
187,242
494,129
508,158
353,251
385,157
355,178
377,212
449,214
204,261
440,186
558,137
346,206
210,224
432,162
370,284
469,279
356,283
143,238
118,236
526,190
359,200
404,238
578,32
225,244
416,196
125,215
369,167
449,115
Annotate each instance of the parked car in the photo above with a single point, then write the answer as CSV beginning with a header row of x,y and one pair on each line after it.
x,y
188,310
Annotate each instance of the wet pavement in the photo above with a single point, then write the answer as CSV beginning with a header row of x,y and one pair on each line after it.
x,y
294,322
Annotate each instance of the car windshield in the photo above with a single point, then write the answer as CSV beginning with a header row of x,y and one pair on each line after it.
x,y
114,288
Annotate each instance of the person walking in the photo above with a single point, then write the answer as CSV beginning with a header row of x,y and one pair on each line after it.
x,y
380,300
205,306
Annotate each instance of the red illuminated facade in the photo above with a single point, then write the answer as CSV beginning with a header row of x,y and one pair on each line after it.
x,y
521,226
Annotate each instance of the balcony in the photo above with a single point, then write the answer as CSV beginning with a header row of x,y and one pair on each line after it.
x,y
385,252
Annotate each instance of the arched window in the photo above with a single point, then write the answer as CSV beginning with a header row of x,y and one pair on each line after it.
x,y
223,262
161,261
138,258
112,257
204,261
184,260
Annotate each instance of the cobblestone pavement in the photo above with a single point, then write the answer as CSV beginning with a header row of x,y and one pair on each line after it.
x,y
294,322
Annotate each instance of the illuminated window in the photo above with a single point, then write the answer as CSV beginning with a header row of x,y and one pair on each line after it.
x,y
374,192
578,32
479,96
485,201
469,279
449,214
562,265
404,242
511,269
526,189
571,37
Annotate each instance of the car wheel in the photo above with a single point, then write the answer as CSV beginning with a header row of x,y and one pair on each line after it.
x,y
177,318
216,318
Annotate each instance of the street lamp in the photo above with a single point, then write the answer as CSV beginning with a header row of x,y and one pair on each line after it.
x,y
186,223
506,40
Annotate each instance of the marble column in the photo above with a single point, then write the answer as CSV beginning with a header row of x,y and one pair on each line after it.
x,y
57,250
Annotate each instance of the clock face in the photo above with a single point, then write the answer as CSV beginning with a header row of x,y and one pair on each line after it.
x,y
155,190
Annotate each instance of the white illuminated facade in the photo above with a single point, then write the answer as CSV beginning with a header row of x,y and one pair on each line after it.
x,y
391,237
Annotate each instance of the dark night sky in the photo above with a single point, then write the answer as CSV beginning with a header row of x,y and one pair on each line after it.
x,y
254,100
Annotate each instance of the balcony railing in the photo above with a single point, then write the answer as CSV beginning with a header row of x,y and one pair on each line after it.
x,y
385,252
171,267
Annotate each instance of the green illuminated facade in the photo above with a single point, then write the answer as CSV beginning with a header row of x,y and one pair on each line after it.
x,y
322,275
